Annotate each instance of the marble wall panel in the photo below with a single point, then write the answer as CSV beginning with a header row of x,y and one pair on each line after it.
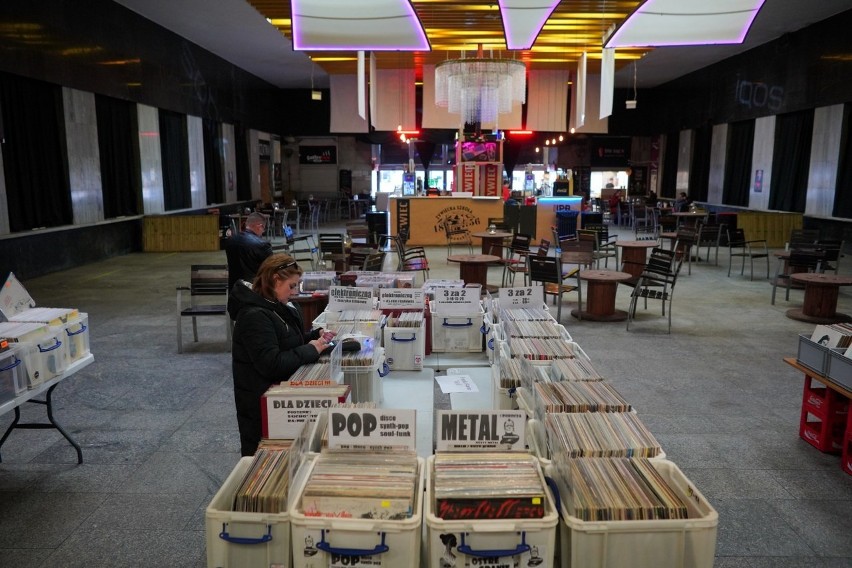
x,y
197,180
229,167
151,160
761,161
4,206
84,163
825,157
684,160
718,153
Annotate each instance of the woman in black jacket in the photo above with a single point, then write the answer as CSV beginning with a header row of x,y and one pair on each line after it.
x,y
269,340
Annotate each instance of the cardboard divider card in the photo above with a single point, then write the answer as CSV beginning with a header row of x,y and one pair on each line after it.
x,y
526,296
14,298
483,430
343,297
457,300
372,429
401,298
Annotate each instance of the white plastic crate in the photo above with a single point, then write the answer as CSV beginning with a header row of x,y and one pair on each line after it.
x,y
405,347
330,320
236,540
12,374
77,337
365,381
515,542
676,543
318,541
44,352
456,333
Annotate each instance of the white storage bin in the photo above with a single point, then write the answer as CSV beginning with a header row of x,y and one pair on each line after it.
x,y
41,349
676,543
365,381
502,398
531,542
235,539
12,374
331,321
77,337
456,333
317,541
405,347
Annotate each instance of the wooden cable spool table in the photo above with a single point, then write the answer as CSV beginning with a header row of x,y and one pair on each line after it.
x,y
473,268
492,243
634,255
820,303
600,295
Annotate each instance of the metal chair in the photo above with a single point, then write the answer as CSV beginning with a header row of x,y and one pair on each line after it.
x,y
301,247
457,236
709,236
799,260
207,281
833,251
374,262
686,239
738,246
657,282
332,248
515,259
547,270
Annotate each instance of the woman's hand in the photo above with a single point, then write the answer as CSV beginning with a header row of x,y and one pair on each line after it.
x,y
319,344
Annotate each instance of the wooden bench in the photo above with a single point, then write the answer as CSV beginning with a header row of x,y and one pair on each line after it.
x,y
206,282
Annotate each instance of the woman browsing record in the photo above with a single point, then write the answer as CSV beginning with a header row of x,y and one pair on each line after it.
x,y
269,340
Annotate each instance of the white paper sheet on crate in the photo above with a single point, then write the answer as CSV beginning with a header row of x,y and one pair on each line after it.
x,y
456,383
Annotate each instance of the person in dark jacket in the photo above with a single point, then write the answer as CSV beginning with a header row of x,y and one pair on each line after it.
x,y
247,250
269,342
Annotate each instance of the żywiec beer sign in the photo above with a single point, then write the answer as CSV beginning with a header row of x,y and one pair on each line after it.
x,y
317,154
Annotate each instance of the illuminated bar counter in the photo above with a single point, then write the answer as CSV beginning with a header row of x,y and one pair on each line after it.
x,y
425,217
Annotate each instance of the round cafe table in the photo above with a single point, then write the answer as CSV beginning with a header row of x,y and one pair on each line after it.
x,y
492,243
820,303
634,255
600,295
473,268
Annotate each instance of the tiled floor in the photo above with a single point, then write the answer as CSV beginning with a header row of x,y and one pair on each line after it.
x,y
159,435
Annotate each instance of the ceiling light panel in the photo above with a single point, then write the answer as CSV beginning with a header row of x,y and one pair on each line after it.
x,y
375,25
686,22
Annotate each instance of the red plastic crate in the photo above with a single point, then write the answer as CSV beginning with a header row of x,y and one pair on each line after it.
x,y
846,455
823,402
825,435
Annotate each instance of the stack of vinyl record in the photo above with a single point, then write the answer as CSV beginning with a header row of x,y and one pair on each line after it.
x,y
599,434
487,486
265,485
579,396
360,485
620,489
575,369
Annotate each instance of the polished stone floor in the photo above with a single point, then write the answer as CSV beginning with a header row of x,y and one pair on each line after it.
x,y
159,436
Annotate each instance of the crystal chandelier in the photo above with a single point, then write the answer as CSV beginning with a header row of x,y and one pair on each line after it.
x,y
479,89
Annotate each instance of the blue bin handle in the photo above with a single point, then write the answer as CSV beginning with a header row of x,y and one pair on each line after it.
x,y
557,500
520,549
483,330
383,372
78,332
412,338
512,391
468,324
45,350
245,539
11,365
380,548
491,344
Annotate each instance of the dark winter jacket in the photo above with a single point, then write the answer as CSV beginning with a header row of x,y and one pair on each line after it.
x,y
268,346
245,253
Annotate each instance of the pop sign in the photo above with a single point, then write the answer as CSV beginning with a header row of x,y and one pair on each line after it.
x,y
371,429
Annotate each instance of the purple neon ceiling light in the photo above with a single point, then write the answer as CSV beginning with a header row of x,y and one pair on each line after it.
x,y
349,25
659,23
